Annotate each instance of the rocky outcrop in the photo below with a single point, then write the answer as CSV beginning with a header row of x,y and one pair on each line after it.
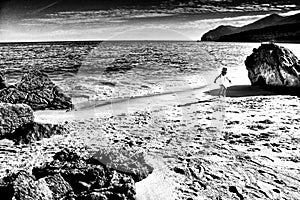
x,y
68,176
38,91
33,131
17,124
272,65
88,177
124,161
24,186
13,116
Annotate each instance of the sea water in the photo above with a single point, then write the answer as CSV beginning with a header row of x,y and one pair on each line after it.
x,y
147,67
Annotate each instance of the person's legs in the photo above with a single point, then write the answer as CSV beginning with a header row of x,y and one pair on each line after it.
x,y
220,91
224,91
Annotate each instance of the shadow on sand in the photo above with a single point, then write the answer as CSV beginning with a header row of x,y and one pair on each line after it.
x,y
248,90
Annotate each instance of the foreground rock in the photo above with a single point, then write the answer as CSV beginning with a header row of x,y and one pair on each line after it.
x,y
38,91
272,65
13,116
124,161
33,131
69,176
17,124
24,186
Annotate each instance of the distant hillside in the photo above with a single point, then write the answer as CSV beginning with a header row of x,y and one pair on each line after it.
x,y
272,27
280,33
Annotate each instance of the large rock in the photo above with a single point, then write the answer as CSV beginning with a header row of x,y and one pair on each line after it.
x,y
272,65
24,186
89,177
129,162
70,176
13,116
38,91
17,124
33,131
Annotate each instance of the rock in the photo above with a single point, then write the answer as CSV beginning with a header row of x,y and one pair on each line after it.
x,y
22,186
58,186
124,161
272,65
33,131
88,178
38,91
13,116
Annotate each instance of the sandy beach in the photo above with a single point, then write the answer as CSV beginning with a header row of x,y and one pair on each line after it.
x,y
245,146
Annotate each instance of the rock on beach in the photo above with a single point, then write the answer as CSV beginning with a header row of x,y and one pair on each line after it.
x,y
33,131
13,116
17,124
273,65
38,91
69,176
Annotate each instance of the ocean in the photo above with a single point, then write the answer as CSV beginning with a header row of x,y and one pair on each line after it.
x,y
89,71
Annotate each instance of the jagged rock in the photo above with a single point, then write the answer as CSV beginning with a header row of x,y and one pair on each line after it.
x,y
24,186
13,116
89,178
33,131
124,161
272,65
38,91
58,186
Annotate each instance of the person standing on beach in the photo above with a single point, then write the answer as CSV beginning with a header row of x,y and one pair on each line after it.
x,y
223,82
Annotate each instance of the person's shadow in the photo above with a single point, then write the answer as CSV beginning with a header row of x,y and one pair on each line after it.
x,y
248,90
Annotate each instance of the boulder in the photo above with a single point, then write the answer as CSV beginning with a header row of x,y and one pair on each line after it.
x,y
90,178
33,131
121,160
69,176
13,116
38,91
272,65
24,186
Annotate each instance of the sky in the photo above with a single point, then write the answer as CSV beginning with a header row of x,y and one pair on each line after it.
x,y
65,20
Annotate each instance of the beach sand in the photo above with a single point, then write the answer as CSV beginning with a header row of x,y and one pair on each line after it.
x,y
245,146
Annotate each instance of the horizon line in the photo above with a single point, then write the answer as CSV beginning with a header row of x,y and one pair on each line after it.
x,y
136,40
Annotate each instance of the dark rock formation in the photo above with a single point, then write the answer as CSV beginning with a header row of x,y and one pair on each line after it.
x,y
272,27
124,161
13,116
24,186
89,178
272,65
38,91
16,123
33,131
69,176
